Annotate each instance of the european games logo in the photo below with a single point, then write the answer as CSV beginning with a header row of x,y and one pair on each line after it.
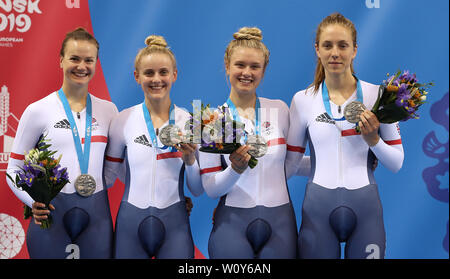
x,y
12,236
16,14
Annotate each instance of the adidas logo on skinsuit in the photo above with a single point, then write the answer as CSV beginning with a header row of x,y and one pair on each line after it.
x,y
143,140
324,117
63,124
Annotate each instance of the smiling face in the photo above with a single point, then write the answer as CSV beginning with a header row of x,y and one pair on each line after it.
x,y
245,69
336,49
156,73
78,62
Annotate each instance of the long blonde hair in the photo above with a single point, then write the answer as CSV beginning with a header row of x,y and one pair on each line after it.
x,y
334,18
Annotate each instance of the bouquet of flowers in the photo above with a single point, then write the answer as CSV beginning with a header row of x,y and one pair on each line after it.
x,y
400,98
216,132
219,132
41,177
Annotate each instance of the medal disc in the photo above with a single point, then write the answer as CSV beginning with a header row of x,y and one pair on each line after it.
x,y
170,135
85,185
258,145
353,111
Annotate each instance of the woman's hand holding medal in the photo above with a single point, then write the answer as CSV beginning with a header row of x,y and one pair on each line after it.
x,y
369,126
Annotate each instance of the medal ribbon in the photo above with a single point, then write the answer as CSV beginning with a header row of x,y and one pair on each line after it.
x,y
151,130
83,157
236,117
326,98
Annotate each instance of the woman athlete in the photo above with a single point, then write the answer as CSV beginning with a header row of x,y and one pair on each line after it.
x,y
341,202
254,217
152,220
82,224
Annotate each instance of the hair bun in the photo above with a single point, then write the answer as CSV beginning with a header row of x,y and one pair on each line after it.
x,y
155,40
248,33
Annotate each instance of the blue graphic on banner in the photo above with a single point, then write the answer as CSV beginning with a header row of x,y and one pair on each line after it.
x,y
392,35
432,147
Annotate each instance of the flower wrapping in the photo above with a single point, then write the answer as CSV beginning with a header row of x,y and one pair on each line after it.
x,y
41,176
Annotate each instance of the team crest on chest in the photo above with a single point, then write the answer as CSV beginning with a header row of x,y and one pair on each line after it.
x,y
267,128
94,124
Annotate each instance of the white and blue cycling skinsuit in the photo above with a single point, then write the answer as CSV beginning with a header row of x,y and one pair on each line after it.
x,y
254,217
84,221
152,220
341,202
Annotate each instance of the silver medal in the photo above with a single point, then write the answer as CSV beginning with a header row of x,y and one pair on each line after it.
x,y
258,145
170,135
353,111
85,185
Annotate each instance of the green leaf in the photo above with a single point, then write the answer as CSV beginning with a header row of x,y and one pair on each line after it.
x,y
252,162
46,224
27,212
45,147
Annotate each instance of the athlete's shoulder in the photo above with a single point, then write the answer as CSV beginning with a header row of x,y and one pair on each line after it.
x,y
124,120
366,86
104,104
273,103
41,106
306,96
280,105
125,113
181,111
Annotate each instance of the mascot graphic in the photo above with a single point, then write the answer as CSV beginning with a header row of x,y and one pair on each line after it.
x,y
433,148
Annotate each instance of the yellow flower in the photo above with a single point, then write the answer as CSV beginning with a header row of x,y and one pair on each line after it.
x,y
392,88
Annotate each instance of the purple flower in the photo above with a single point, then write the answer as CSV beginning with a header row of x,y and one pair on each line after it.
x,y
402,96
407,77
60,174
410,109
208,144
26,177
391,81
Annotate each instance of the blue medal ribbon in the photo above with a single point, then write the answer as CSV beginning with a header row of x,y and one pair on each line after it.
x,y
326,98
236,117
83,157
151,130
